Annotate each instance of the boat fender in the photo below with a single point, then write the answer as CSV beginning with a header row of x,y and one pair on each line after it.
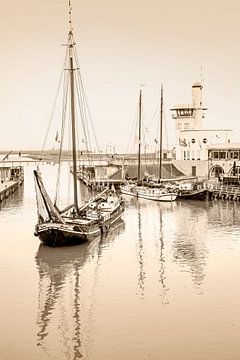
x,y
104,228
76,228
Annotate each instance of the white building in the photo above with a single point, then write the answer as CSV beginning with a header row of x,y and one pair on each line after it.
x,y
5,173
192,140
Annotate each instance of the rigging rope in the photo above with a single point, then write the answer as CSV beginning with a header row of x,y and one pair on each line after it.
x,y
54,105
64,109
85,99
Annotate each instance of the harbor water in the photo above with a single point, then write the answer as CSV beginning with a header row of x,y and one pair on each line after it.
x,y
163,284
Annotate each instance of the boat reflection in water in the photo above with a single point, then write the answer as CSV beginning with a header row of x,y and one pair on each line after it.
x,y
67,281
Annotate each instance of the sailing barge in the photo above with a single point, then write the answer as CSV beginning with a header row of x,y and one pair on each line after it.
x,y
74,224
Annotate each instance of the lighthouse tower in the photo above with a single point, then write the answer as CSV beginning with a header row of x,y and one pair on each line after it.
x,y
192,139
188,118
197,106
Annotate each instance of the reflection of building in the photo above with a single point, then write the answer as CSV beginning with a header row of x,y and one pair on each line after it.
x,y
192,140
189,250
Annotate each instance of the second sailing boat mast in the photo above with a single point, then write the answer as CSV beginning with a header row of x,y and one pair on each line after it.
x,y
72,99
139,134
160,135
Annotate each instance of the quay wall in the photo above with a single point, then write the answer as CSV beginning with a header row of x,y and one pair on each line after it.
x,y
9,187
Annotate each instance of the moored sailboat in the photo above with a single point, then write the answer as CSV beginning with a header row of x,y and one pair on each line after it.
x,y
158,192
74,224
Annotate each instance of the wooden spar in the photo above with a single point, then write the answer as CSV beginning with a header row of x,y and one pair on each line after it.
x,y
139,133
160,135
73,121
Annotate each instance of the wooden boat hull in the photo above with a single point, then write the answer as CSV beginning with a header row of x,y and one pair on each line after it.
x,y
55,234
150,194
202,194
168,197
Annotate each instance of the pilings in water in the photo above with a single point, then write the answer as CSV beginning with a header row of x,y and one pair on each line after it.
x,y
100,185
225,192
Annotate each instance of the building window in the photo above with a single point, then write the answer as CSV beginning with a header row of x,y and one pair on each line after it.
x,y
194,170
102,172
215,155
179,126
193,155
188,155
222,154
198,155
234,154
193,141
204,140
186,126
184,155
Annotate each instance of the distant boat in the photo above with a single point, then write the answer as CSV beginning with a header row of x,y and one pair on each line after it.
x,y
74,224
160,192
194,194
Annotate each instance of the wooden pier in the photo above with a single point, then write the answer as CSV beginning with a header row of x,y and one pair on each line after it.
x,y
9,187
98,177
100,184
10,180
224,192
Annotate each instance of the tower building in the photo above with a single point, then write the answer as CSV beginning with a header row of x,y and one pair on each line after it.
x,y
192,139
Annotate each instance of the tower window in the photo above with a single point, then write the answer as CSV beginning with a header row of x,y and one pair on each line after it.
x,y
222,154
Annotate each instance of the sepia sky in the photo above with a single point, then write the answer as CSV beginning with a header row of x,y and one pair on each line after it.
x,y
120,45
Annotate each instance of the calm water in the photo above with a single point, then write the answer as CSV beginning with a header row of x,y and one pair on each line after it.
x,y
164,284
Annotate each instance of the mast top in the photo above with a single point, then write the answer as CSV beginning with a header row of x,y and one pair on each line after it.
x,y
70,16
71,42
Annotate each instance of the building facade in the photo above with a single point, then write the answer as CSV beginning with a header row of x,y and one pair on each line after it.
x,y
192,139
5,173
224,159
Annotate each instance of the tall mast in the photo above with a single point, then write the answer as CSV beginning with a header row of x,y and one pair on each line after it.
x,y
139,133
160,135
72,101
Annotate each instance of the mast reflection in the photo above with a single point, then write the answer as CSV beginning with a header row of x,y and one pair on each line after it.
x,y
67,281
162,275
59,274
141,274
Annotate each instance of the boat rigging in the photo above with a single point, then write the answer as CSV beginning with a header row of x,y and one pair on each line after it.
x,y
74,224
